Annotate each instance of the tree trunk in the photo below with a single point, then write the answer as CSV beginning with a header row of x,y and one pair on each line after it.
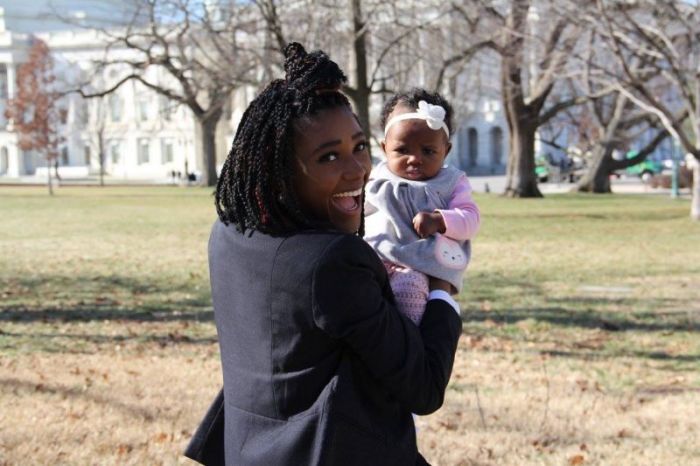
x,y
597,178
521,179
207,129
695,201
55,167
361,101
49,181
361,92
522,118
101,155
102,170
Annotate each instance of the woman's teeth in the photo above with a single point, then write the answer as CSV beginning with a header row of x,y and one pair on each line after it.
x,y
349,200
357,192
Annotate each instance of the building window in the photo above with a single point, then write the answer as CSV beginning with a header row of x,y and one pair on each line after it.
x,y
4,92
167,107
83,116
144,151
473,146
64,156
86,154
143,110
496,145
114,153
115,108
168,150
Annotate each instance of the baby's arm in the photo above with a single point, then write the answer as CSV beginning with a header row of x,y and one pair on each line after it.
x,y
462,217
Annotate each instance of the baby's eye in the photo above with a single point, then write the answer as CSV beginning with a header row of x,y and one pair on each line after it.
x,y
428,151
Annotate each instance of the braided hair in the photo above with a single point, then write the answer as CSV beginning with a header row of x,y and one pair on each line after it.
x,y
411,99
255,190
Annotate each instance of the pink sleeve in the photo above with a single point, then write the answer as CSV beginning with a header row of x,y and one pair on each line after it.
x,y
462,216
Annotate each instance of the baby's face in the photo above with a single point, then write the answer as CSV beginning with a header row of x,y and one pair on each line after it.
x,y
413,150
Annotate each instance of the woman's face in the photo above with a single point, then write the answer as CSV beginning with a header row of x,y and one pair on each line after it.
x,y
331,169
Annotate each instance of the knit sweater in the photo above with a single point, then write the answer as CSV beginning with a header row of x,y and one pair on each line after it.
x,y
392,202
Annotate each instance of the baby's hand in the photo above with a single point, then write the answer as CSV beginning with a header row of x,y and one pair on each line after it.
x,y
428,223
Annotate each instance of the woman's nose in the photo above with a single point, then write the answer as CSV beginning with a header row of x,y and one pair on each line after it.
x,y
355,169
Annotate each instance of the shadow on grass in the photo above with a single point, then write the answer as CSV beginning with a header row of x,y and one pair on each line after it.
x,y
87,314
577,311
610,321
598,355
111,297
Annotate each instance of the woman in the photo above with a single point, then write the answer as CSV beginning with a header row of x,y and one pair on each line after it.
x,y
319,366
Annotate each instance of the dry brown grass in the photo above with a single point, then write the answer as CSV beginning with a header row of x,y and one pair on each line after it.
x,y
580,341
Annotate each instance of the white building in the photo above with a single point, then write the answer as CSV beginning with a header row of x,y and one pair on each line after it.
x,y
141,134
144,136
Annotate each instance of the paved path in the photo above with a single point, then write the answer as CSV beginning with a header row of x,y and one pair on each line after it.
x,y
480,184
497,184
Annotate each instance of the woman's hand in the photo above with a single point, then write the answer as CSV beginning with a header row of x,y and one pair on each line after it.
x,y
428,223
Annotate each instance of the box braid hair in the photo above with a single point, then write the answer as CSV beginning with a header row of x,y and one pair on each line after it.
x,y
255,191
411,99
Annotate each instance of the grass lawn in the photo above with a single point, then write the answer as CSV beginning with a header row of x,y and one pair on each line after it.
x,y
580,344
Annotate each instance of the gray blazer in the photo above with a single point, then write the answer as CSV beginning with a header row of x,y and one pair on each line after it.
x,y
319,367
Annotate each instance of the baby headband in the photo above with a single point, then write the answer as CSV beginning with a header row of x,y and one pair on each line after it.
x,y
434,116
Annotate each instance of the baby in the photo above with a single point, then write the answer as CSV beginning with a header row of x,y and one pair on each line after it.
x,y
419,213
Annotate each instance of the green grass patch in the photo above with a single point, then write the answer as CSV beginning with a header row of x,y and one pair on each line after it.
x,y
543,270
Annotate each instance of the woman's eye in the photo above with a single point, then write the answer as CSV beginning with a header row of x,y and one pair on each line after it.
x,y
362,146
329,157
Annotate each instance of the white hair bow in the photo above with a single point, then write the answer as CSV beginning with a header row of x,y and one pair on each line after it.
x,y
434,116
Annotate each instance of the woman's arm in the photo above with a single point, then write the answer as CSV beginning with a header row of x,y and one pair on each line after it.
x,y
350,302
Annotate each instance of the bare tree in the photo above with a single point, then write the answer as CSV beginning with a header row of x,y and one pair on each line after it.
x,y
201,51
665,36
528,79
609,123
616,126
35,113
367,37
534,41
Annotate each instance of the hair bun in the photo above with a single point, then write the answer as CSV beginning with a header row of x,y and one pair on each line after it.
x,y
311,71
294,53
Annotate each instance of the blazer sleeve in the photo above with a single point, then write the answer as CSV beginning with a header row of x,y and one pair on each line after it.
x,y
352,302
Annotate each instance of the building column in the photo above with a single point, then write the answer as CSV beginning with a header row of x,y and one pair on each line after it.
x,y
11,80
15,165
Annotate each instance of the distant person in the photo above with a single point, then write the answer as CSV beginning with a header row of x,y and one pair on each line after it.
x,y
420,212
319,366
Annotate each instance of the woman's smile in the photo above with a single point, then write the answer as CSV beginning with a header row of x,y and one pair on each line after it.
x,y
348,201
